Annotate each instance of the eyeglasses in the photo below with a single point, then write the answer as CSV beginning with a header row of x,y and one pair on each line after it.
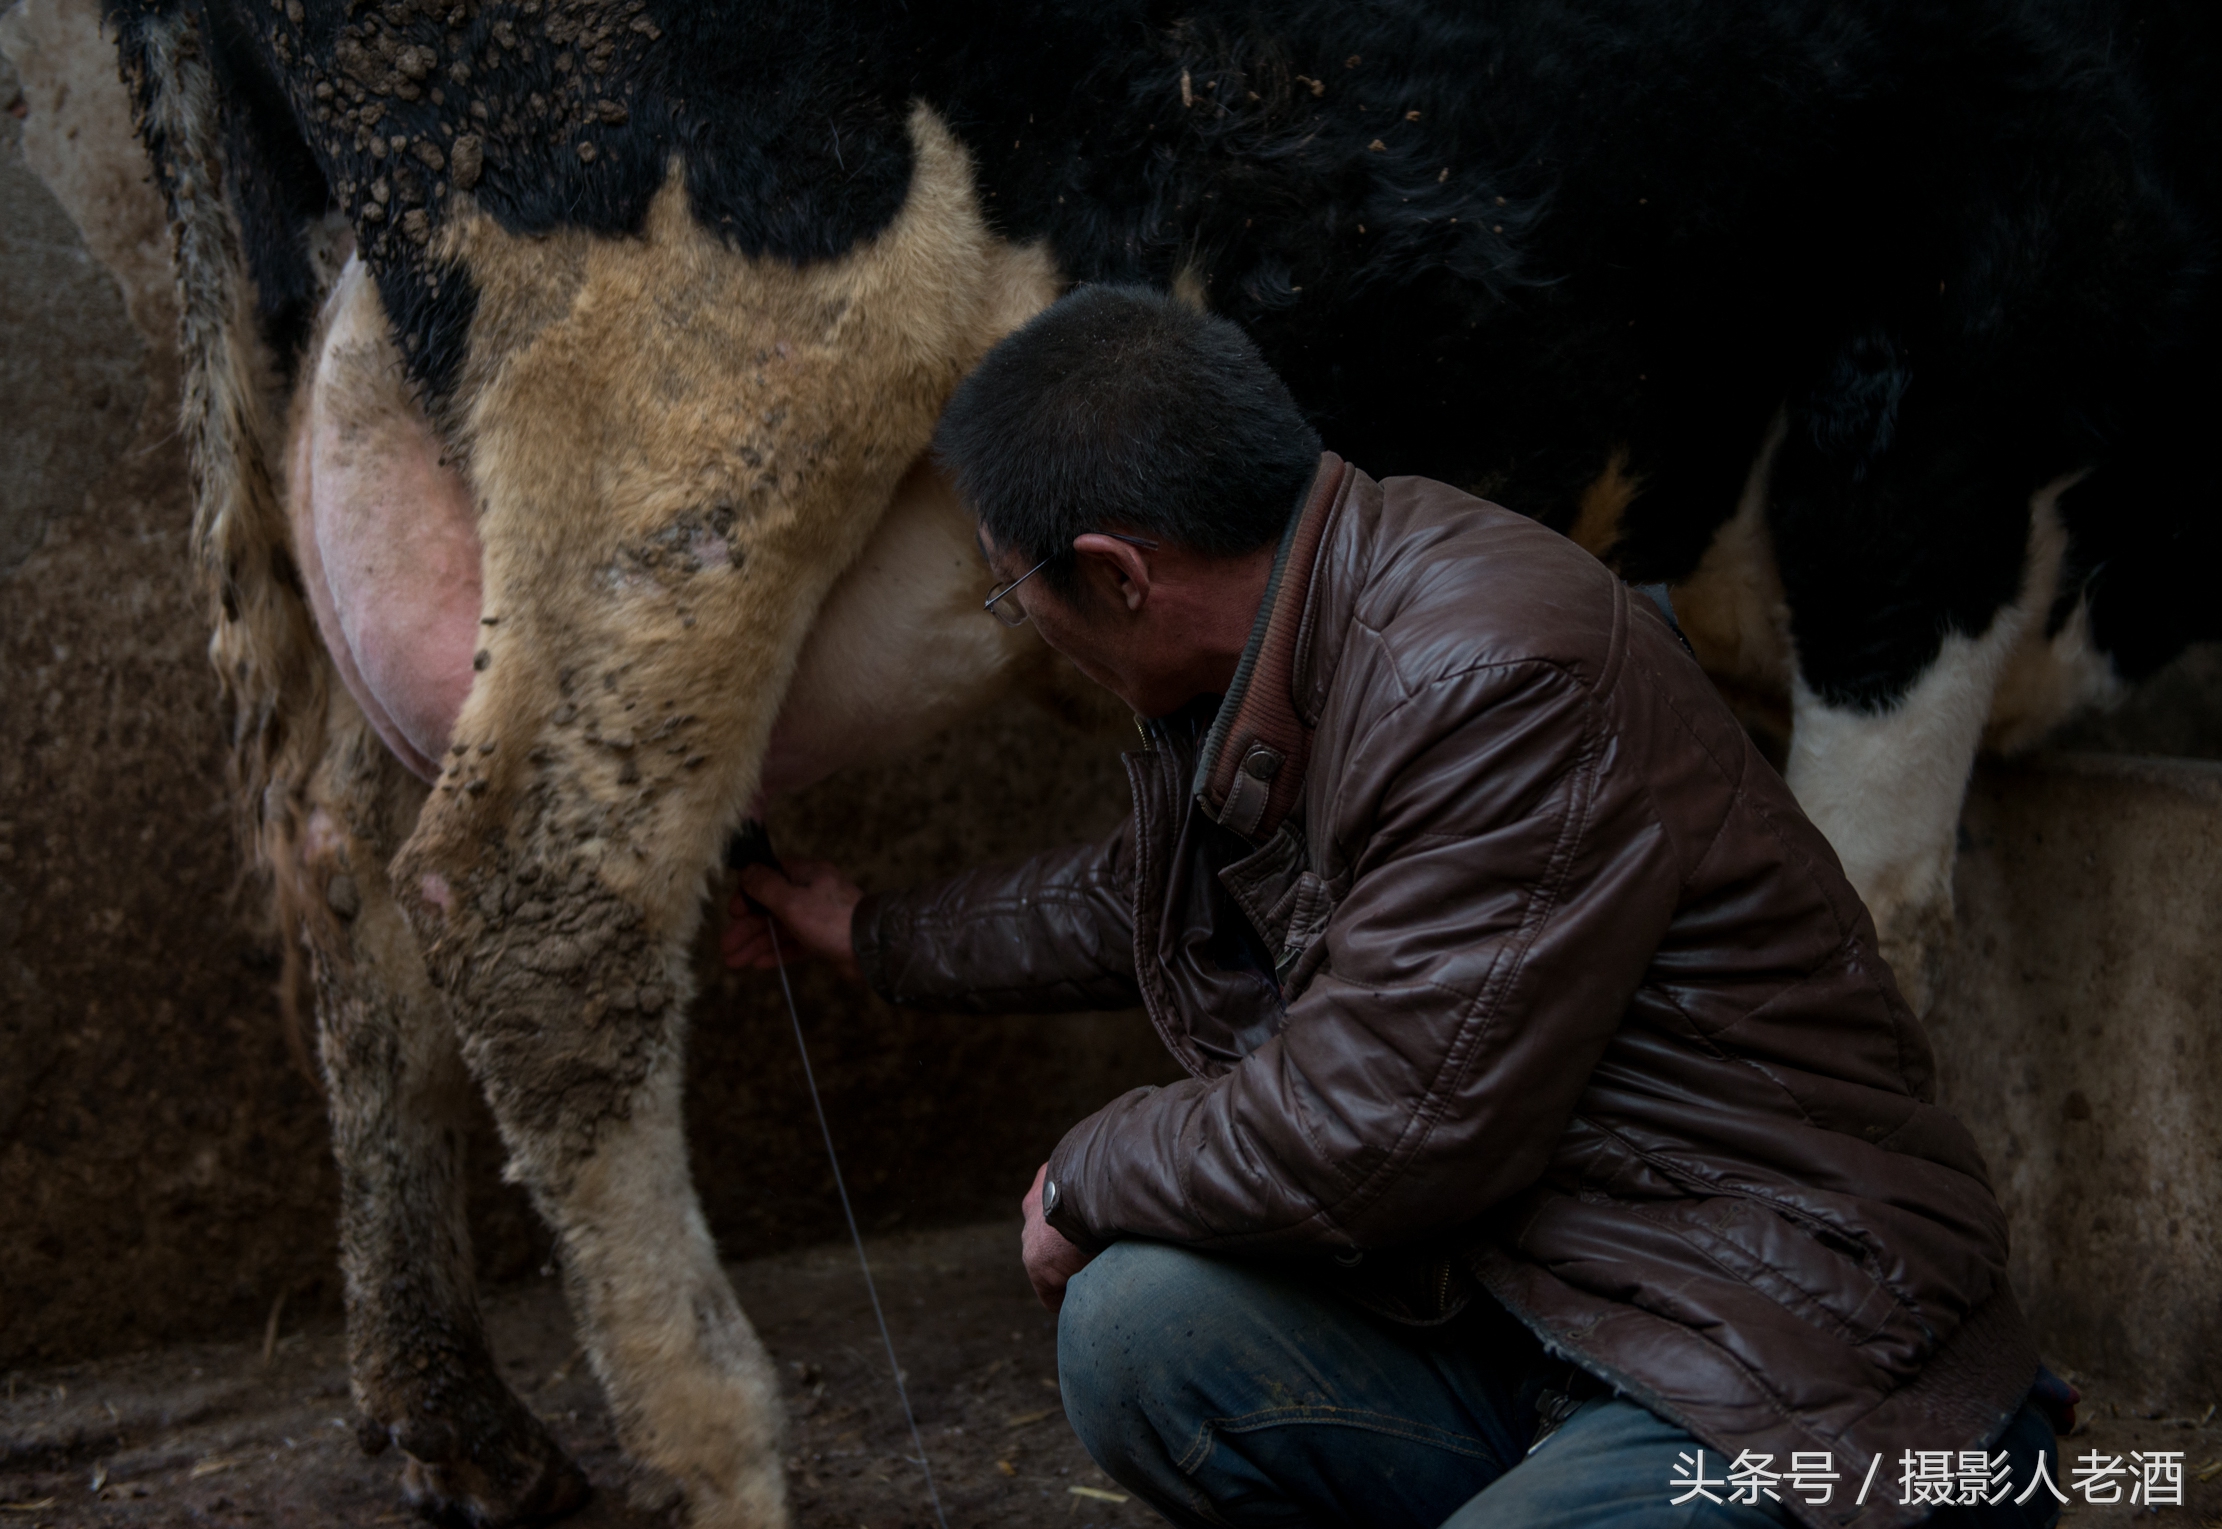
x,y
1014,614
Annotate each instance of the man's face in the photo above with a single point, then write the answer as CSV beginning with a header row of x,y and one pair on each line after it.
x,y
1156,624
1095,631
1114,638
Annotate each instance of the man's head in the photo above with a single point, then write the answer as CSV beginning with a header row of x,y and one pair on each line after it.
x,y
1121,410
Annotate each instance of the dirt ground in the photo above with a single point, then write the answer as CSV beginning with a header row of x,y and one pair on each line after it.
x,y
214,1434
209,1434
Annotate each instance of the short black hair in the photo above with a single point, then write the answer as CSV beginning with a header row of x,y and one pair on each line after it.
x,y
1120,408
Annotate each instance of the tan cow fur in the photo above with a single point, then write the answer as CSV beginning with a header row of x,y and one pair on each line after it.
x,y
675,451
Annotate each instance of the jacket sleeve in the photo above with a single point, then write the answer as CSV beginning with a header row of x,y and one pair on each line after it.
x,y
1511,885
1053,933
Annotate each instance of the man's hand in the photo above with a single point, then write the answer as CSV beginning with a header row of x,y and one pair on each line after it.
x,y
813,903
1050,1259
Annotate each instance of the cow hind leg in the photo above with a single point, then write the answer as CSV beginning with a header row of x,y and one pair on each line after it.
x,y
677,450
423,1376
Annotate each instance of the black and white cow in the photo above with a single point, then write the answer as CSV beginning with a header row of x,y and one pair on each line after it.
x,y
553,363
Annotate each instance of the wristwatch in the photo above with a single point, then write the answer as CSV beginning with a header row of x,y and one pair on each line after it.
x,y
1049,1198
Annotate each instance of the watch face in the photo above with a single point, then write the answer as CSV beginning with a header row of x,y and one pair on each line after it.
x,y
1049,1196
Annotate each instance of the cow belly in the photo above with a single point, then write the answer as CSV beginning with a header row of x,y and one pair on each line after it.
x,y
386,538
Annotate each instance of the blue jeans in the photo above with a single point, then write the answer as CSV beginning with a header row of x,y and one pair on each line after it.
x,y
1234,1395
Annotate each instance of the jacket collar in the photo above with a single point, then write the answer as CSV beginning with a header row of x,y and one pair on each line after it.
x,y
1250,774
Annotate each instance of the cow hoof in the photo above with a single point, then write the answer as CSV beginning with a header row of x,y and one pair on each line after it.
x,y
524,1479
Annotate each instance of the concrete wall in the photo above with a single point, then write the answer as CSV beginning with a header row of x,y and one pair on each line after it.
x,y
162,1161
2078,1038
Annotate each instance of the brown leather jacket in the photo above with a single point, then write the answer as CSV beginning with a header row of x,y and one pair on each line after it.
x,y
1481,926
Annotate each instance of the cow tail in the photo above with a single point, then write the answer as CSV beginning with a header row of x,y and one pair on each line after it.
x,y
269,661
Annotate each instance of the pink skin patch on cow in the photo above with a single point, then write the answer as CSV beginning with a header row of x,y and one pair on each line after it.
x,y
322,838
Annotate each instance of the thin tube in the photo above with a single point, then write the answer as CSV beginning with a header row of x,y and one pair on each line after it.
x,y
841,1188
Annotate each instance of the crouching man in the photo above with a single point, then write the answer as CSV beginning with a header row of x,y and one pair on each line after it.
x,y
1556,1150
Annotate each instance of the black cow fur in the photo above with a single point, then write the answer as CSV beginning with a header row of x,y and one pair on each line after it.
x,y
1966,247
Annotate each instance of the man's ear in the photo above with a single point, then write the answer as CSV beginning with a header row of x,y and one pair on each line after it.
x,y
1125,565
